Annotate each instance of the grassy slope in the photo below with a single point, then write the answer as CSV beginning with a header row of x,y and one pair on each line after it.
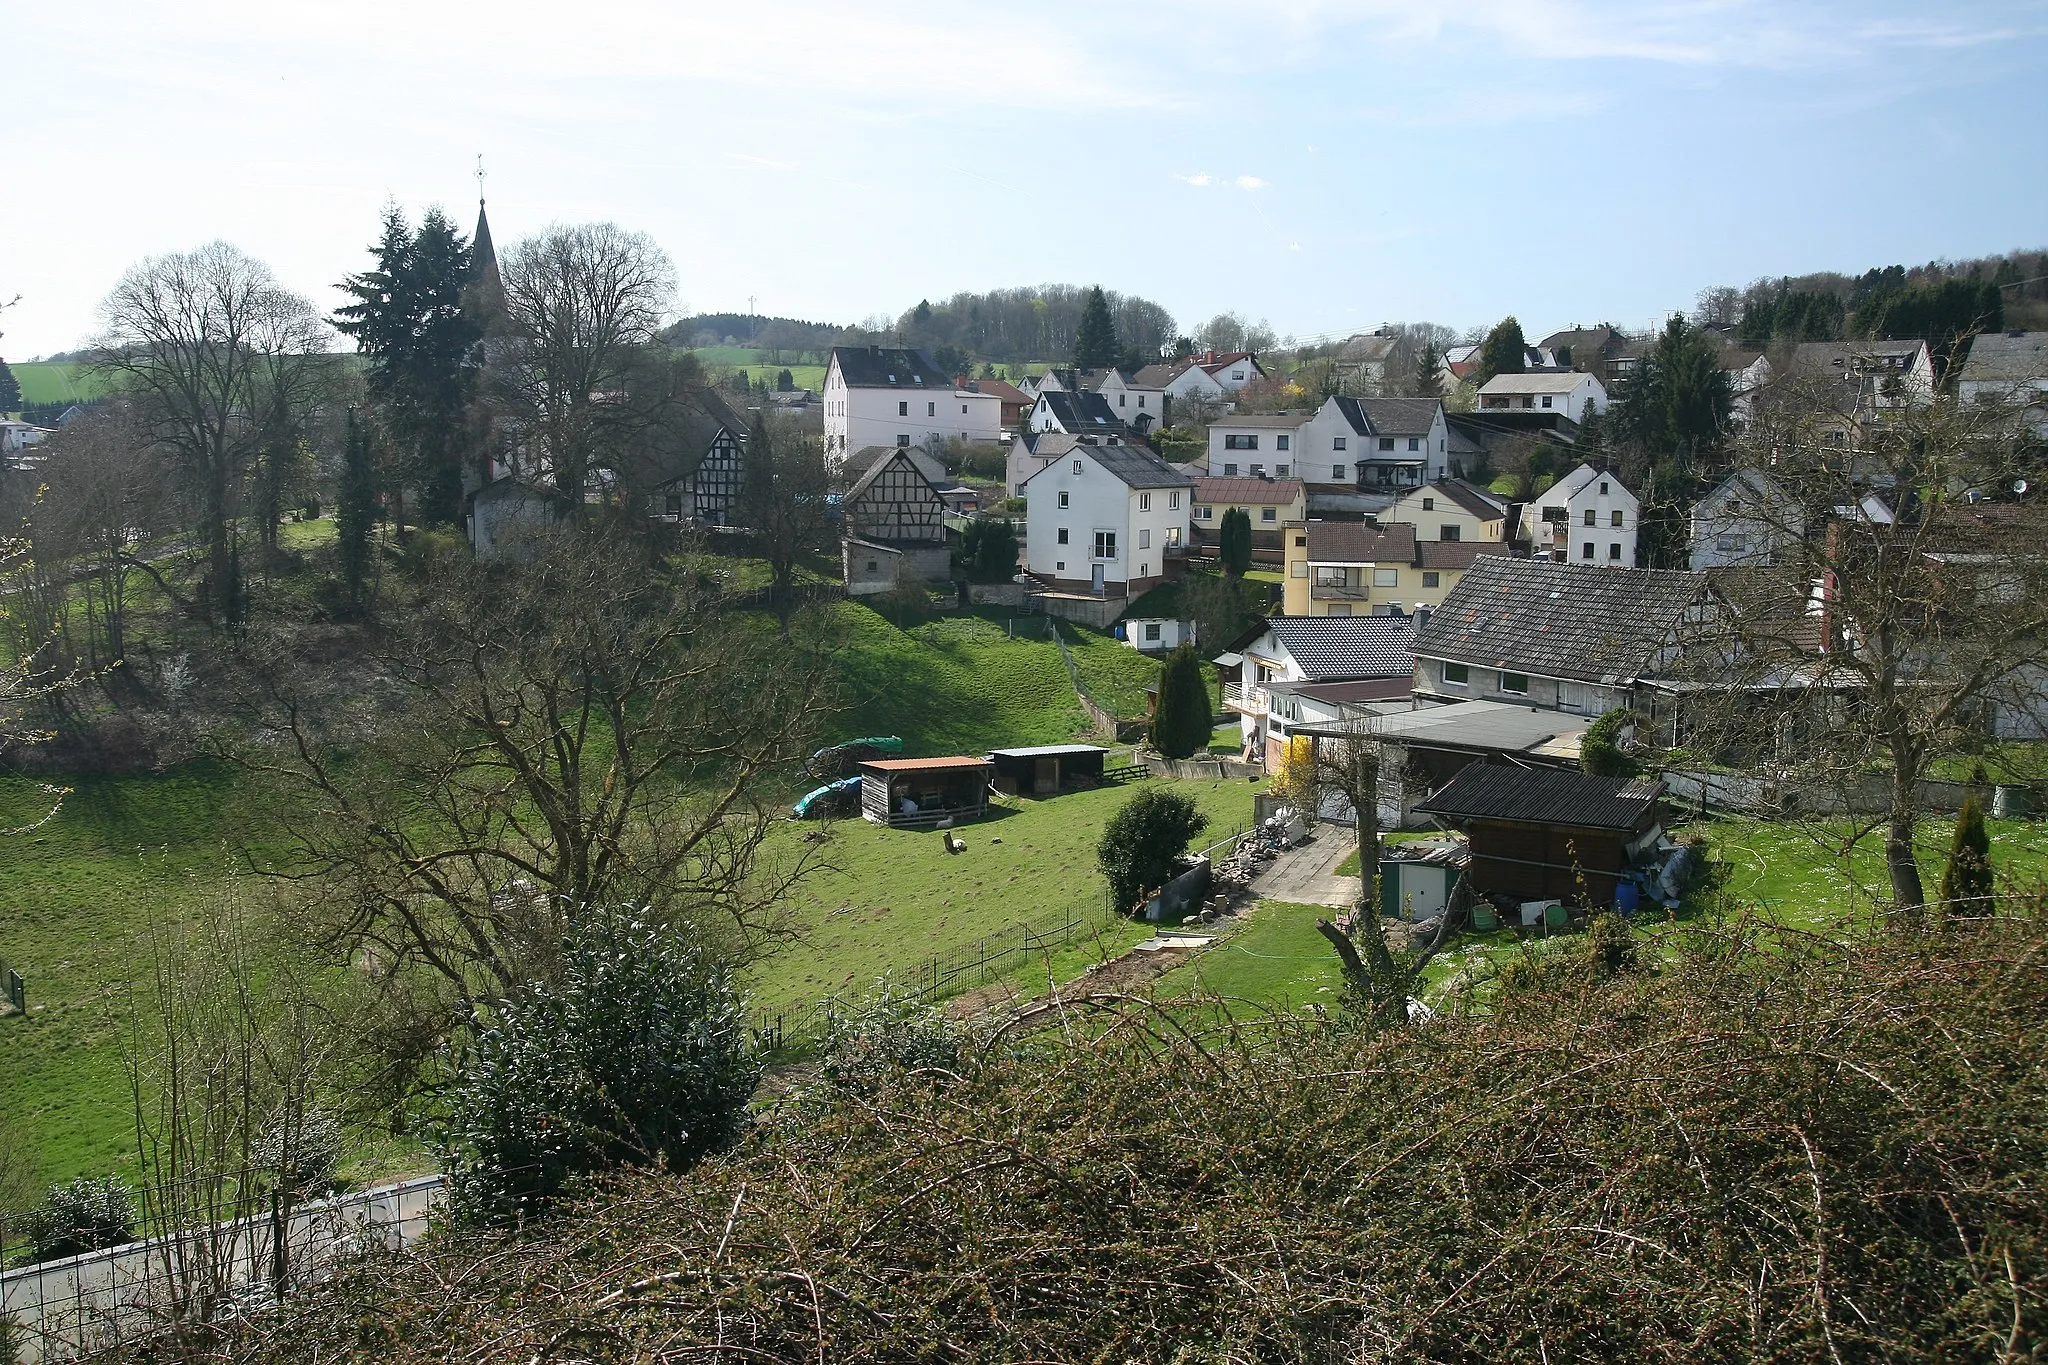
x,y
958,684
893,898
43,381
78,895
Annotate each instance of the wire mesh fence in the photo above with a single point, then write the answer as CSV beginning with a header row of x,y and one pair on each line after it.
x,y
963,968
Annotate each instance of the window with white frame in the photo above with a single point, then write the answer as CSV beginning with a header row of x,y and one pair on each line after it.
x,y
1415,443
1279,471
1457,675
1230,471
1280,442
1240,442
1105,545
1337,443
1077,466
1336,471
1586,551
1151,630
1144,537
1173,501
1515,683
1065,498
1386,443
1430,578
1144,502
1269,514
1063,535
1386,578
1592,517
903,409
1614,520
1614,551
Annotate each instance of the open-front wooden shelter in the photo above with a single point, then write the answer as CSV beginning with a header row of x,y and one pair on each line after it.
x,y
924,791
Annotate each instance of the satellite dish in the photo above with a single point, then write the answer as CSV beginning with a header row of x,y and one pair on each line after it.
x,y
2019,487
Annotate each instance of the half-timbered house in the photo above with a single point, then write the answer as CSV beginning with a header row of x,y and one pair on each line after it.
x,y
895,527
696,479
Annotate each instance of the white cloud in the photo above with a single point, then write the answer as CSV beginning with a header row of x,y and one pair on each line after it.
x,y
1250,182
1199,179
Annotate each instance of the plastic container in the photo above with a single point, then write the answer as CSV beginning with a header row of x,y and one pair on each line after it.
x,y
1626,897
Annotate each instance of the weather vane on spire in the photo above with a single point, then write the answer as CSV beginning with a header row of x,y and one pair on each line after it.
x,y
479,177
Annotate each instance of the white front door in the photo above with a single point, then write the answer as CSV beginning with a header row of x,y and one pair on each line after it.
x,y
1095,580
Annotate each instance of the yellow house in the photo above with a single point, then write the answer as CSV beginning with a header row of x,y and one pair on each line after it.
x,y
1449,509
1269,503
1348,568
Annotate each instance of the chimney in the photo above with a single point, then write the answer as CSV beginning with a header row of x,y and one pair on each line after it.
x,y
1421,615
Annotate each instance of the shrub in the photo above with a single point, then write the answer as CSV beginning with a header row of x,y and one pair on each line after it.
x,y
1966,885
301,1157
1600,751
1143,841
637,1055
1183,721
885,1038
82,1215
1234,542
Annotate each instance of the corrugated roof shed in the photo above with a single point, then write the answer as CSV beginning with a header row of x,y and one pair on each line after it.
x,y
912,765
1577,621
1543,796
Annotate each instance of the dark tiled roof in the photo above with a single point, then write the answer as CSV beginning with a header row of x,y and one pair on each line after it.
x,y
1400,416
675,447
1357,542
1456,554
1138,466
1264,421
1247,490
1344,648
1157,376
872,367
999,388
1544,796
1998,356
1464,495
1081,412
1577,621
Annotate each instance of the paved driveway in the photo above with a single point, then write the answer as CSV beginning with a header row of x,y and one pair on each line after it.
x,y
1307,875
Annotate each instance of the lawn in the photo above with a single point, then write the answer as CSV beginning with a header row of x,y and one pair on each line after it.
x,y
1117,675
893,898
749,359
1275,958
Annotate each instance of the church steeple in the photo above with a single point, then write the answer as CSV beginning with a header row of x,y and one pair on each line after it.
x,y
486,293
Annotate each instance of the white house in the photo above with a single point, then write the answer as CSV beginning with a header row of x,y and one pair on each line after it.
x,y
1746,519
1155,634
1254,444
1380,444
1748,372
1565,391
1104,518
2008,367
17,436
1077,414
894,396
1295,650
1032,451
1586,517
1231,369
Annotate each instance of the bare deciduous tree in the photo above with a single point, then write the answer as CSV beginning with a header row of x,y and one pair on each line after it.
x,y
208,346
584,304
567,731
1898,615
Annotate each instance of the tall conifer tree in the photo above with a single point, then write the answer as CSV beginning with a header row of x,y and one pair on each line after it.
x,y
1095,345
10,389
356,512
1429,372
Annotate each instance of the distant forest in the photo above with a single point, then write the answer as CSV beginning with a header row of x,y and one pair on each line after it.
x,y
1941,302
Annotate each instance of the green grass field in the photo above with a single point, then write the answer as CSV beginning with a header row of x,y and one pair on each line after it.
x,y
44,381
1275,960
893,898
749,359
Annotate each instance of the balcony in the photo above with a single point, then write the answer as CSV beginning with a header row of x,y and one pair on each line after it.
x,y
1247,698
1339,592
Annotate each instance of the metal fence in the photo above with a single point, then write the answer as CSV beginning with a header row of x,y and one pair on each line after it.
x,y
62,1309
987,959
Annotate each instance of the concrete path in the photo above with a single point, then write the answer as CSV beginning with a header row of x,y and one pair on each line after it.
x,y
1307,875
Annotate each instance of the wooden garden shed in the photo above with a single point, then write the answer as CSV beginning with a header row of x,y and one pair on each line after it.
x,y
1046,769
1549,834
924,791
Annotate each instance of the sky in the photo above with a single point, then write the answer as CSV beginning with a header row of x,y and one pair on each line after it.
x,y
1325,165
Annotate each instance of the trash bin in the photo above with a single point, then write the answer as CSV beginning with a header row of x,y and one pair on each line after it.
x,y
1626,897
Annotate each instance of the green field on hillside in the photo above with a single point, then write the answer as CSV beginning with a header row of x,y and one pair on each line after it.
x,y
78,893
45,381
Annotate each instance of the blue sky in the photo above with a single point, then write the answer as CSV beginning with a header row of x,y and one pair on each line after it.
x,y
1324,164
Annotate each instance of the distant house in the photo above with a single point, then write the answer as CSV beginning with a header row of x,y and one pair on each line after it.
x,y
1567,637
1747,519
895,396
1255,444
18,436
1269,503
1230,369
1104,519
1016,403
1589,350
867,457
1749,373
1461,361
1155,634
1178,379
693,475
1860,384
1076,414
1363,363
1450,510
505,511
2008,367
1385,444
1348,568
1586,517
1303,649
1539,833
1569,392
895,528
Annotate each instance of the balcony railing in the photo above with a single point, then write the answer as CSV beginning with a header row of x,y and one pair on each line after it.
x,y
1248,697
1339,592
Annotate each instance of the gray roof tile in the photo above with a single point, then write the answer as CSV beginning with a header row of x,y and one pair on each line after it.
x,y
1545,796
1345,648
1577,621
